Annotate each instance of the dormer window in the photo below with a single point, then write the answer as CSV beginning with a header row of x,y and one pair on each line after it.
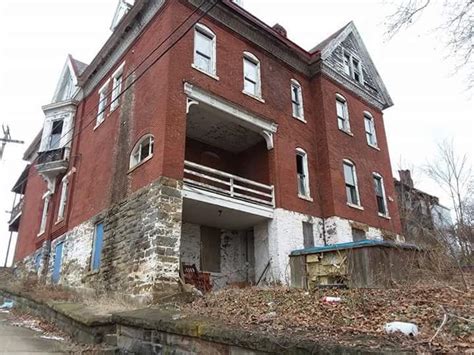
x,y
55,137
352,67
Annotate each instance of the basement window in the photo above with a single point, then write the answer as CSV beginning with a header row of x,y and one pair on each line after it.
x,y
143,151
252,82
204,50
380,195
302,174
350,178
297,100
97,246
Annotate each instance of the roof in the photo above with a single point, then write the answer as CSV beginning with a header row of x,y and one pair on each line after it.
x,y
77,65
319,47
20,182
353,245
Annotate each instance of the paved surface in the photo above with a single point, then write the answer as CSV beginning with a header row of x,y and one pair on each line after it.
x,y
18,340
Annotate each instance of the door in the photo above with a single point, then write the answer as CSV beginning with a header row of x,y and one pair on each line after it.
x,y
58,255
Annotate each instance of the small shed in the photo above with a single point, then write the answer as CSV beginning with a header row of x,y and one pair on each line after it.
x,y
365,263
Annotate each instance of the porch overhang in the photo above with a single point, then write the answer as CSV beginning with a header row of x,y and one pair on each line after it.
x,y
265,128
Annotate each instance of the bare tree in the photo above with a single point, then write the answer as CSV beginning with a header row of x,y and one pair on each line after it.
x,y
453,173
455,27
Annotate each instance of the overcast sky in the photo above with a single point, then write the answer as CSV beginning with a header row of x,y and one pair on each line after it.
x,y
431,103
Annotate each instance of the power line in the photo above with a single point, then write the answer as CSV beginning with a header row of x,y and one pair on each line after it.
x,y
95,107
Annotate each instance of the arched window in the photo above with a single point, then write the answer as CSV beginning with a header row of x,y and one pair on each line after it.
x,y
297,100
302,173
252,82
380,195
350,179
342,113
204,49
370,129
143,150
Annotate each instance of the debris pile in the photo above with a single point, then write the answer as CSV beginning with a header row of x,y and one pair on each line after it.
x,y
444,317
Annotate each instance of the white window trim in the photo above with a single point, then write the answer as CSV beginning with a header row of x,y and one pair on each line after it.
x,y
63,199
387,214
351,65
301,152
209,33
115,96
137,146
341,98
357,205
252,58
102,114
374,132
295,83
44,213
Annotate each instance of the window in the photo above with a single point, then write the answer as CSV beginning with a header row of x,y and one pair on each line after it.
x,y
358,234
352,67
350,178
142,151
103,93
58,256
342,114
44,214
204,49
302,173
380,195
38,261
97,246
56,132
252,83
370,129
116,87
63,199
297,100
308,237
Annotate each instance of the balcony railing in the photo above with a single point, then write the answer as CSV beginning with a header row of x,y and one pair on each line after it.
x,y
52,156
16,211
227,184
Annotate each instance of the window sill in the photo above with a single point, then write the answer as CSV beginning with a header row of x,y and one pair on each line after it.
x,y
213,76
40,234
307,198
301,119
98,124
357,207
112,109
92,272
384,216
140,163
258,98
349,133
373,147
59,221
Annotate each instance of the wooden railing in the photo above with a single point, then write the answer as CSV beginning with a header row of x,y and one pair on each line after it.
x,y
227,184
16,210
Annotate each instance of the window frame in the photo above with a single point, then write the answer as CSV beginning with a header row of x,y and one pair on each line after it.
x,y
378,177
116,88
63,199
299,102
51,134
373,133
206,32
252,59
137,149
351,164
102,106
348,59
93,267
302,153
44,213
346,125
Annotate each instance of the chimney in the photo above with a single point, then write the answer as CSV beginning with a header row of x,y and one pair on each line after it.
x,y
405,177
280,29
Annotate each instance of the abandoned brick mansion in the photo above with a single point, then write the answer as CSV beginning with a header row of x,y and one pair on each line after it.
x,y
200,135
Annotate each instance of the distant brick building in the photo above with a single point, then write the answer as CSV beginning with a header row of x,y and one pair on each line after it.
x,y
227,150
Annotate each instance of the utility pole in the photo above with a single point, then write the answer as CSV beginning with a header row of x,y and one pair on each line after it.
x,y
6,139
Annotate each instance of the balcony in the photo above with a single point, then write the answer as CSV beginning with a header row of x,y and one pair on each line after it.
x,y
51,163
14,222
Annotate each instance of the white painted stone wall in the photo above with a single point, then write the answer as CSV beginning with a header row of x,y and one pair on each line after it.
x,y
234,267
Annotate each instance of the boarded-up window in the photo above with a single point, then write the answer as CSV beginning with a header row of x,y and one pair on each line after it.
x,y
358,234
210,249
308,238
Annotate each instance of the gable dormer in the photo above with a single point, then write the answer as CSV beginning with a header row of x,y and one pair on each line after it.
x,y
123,7
346,59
